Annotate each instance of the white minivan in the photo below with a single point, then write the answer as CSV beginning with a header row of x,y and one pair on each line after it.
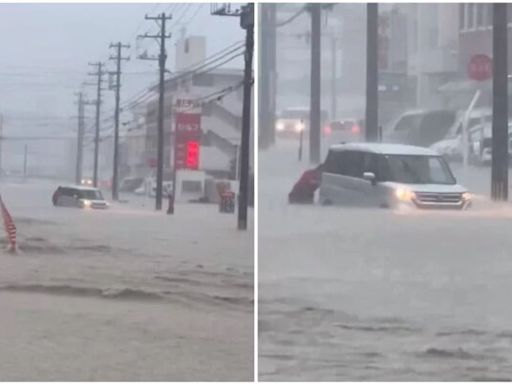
x,y
389,175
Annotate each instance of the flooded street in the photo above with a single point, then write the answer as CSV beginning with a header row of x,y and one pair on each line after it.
x,y
373,294
125,293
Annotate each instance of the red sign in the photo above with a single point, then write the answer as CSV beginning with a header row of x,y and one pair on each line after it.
x,y
480,67
193,155
188,136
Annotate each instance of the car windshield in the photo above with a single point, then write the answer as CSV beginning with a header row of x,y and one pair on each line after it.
x,y
91,195
413,169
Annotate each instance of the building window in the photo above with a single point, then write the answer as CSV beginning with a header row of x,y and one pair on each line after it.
x,y
462,16
470,16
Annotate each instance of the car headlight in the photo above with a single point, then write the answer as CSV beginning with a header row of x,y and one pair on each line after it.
x,y
466,196
280,126
404,194
86,203
299,127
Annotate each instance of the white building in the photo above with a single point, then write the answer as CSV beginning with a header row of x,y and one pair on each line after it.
x,y
220,92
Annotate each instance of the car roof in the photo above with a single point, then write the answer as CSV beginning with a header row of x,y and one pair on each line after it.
x,y
425,111
79,187
385,149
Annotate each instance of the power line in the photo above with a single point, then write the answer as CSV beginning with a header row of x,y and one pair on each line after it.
x,y
291,18
147,91
201,69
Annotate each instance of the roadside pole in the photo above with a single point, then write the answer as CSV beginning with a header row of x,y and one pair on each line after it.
x,y
465,139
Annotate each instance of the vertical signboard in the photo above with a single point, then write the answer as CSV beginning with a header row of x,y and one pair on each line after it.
x,y
187,136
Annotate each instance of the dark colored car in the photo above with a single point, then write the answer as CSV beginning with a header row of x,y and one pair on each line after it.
x,y
79,197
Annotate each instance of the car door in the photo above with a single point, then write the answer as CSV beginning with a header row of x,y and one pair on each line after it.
x,y
68,198
340,178
369,191
376,194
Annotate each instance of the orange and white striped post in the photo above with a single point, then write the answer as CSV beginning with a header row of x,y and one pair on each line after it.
x,y
10,227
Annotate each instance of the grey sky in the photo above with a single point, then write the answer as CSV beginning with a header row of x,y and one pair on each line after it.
x,y
46,48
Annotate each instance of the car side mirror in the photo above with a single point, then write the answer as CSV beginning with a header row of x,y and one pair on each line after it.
x,y
370,176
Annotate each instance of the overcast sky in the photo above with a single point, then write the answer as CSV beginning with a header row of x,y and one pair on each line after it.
x,y
45,49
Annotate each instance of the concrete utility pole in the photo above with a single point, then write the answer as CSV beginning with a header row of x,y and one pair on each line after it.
x,y
162,57
25,158
115,173
499,177
267,75
334,78
372,73
246,14
247,23
99,75
80,139
315,83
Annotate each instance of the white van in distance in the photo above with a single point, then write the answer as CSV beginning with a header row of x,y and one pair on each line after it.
x,y
389,175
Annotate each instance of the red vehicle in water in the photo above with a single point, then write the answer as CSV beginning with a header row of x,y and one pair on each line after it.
x,y
303,192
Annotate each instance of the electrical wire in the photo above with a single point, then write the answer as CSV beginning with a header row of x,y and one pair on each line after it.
x,y
291,18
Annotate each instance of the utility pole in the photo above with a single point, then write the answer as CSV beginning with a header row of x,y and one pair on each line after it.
x,y
499,176
334,78
246,14
25,156
162,57
315,82
247,23
115,173
80,139
99,75
372,75
267,75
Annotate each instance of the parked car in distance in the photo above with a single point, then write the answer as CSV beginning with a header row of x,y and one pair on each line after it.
x,y
131,184
421,128
79,197
391,176
350,126
451,145
480,142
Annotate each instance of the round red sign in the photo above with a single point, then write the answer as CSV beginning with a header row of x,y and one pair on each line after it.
x,y
480,67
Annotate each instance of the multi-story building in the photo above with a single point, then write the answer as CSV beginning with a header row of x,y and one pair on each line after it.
x,y
475,37
220,92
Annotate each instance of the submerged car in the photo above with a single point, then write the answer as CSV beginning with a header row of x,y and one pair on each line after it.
x,y
79,197
390,176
